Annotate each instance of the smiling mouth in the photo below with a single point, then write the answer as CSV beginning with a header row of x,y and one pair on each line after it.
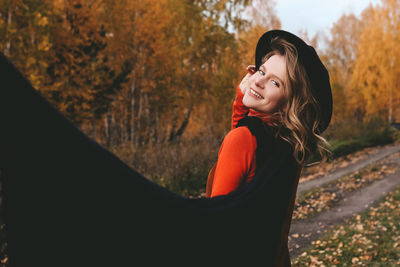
x,y
255,94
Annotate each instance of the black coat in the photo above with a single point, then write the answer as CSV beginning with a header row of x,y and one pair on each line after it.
x,y
69,202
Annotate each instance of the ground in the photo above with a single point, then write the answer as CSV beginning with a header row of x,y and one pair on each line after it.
x,y
331,194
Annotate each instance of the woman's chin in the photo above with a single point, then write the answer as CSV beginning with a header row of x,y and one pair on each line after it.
x,y
249,102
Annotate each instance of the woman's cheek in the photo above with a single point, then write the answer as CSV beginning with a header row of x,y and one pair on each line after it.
x,y
245,98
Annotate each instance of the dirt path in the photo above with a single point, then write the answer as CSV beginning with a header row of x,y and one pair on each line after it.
x,y
380,154
302,233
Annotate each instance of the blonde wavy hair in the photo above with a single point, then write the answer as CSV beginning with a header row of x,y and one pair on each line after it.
x,y
297,121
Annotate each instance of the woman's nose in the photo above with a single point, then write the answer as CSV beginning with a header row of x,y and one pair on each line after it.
x,y
259,81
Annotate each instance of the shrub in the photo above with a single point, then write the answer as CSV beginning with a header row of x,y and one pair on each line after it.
x,y
182,167
348,136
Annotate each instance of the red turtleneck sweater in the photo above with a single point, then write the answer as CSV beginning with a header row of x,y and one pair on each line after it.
x,y
236,158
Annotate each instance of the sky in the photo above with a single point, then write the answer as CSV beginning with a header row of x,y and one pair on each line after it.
x,y
316,15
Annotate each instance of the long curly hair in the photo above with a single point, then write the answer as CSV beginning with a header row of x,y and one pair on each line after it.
x,y
297,122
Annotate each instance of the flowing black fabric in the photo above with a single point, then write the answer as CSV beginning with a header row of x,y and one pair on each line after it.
x,y
69,202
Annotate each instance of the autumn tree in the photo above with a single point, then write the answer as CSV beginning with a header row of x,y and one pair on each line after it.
x,y
260,17
226,54
376,75
138,36
25,31
177,51
81,82
341,54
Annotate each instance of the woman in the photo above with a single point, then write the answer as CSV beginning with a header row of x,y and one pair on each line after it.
x,y
289,92
283,104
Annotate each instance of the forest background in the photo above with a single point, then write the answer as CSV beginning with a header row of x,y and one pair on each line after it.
x,y
154,81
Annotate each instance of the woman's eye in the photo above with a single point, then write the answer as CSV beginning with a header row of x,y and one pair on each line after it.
x,y
275,83
261,72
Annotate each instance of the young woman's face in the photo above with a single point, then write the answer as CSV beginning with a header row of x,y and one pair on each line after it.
x,y
266,87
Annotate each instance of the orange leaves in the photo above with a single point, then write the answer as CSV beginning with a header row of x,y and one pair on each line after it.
x,y
79,72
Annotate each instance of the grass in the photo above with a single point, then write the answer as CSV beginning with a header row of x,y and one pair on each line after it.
x,y
371,238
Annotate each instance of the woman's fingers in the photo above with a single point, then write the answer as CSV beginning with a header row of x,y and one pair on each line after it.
x,y
251,69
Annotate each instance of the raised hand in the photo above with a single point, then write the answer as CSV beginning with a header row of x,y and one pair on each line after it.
x,y
251,69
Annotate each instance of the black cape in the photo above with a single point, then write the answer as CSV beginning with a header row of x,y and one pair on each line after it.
x,y
70,202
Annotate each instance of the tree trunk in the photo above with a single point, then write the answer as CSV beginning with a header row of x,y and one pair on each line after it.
x,y
176,135
157,127
107,131
390,106
9,20
132,115
390,115
139,118
121,125
149,126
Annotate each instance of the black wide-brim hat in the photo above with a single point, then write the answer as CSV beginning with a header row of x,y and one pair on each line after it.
x,y
315,69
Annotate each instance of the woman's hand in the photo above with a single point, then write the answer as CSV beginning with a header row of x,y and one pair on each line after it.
x,y
251,69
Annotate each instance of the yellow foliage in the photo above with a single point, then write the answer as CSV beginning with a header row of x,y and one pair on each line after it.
x,y
44,45
340,57
376,71
41,20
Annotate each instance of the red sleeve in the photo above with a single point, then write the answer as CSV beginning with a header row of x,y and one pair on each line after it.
x,y
236,161
239,109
